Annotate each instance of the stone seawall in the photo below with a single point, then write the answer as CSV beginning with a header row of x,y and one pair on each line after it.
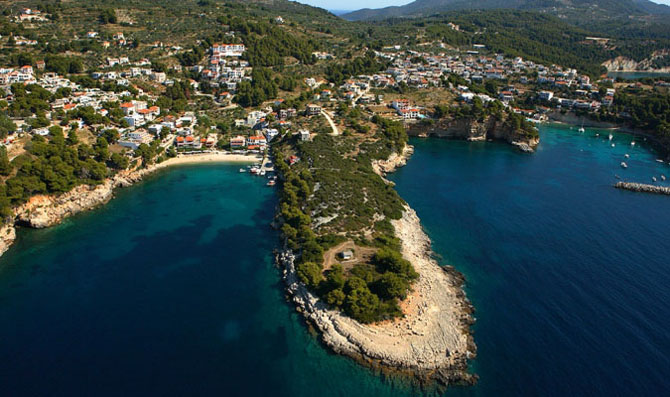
x,y
644,188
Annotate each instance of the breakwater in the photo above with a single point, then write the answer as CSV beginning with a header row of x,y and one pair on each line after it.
x,y
642,187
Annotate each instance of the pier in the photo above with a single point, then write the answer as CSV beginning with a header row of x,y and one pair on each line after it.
x,y
642,187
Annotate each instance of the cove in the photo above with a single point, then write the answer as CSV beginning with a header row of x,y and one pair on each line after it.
x,y
569,276
170,289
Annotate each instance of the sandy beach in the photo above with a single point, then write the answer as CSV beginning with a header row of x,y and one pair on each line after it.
x,y
211,157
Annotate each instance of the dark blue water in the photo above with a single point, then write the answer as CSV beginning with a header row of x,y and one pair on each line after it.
x,y
569,276
170,288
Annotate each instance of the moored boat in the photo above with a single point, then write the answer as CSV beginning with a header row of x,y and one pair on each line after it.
x,y
624,165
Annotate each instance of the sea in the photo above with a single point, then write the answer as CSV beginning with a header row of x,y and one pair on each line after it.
x,y
170,289
637,75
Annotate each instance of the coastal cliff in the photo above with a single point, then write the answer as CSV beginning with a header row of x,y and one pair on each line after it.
x,y
472,129
623,64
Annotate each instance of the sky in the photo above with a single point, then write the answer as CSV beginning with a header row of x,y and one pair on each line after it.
x,y
358,4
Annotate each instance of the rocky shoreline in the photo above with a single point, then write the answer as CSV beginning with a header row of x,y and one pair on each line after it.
x,y
432,343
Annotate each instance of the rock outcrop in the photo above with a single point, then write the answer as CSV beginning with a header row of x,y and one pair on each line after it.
x,y
474,130
394,161
7,237
623,64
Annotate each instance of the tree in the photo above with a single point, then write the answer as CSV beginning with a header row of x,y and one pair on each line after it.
x,y
72,138
5,166
362,305
119,162
309,273
391,286
108,16
6,126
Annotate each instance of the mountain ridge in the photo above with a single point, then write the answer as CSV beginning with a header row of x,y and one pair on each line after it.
x,y
566,8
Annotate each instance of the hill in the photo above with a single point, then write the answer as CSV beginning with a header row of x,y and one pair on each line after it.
x,y
581,11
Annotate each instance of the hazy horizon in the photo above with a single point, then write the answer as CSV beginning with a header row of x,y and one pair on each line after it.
x,y
352,5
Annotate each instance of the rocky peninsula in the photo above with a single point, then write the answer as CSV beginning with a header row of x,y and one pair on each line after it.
x,y
432,342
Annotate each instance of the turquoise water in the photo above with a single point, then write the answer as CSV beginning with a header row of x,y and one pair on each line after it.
x,y
170,288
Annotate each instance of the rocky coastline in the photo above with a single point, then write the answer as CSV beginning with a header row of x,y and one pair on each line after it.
x,y
474,130
432,343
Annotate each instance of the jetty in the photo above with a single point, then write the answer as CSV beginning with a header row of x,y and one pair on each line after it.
x,y
642,187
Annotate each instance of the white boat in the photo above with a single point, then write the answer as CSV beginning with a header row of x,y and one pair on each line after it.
x,y
632,143
659,161
653,178
271,183
581,129
611,136
261,172
624,165
613,145
254,170
243,170
662,177
597,134
626,155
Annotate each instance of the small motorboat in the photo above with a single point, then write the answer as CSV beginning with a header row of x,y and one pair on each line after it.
x,y
613,145
662,177
243,170
626,155
659,161
271,182
632,143
624,165
597,134
261,172
581,129
653,178
610,137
